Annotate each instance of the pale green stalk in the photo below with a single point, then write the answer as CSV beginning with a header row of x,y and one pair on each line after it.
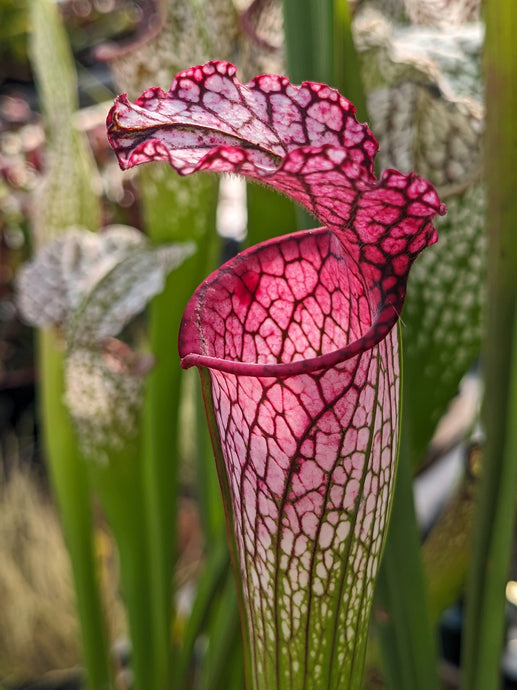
x,y
320,47
225,638
65,199
215,573
192,218
494,525
408,645
71,486
118,485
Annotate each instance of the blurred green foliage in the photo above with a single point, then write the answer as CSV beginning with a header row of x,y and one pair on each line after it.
x,y
13,39
88,23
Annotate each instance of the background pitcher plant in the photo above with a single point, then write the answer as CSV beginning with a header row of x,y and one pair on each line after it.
x,y
298,354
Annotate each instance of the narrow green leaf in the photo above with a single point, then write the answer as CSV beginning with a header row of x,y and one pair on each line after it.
x,y
193,204
408,646
213,578
345,66
494,525
66,198
71,485
319,47
54,66
225,643
210,502
118,485
300,44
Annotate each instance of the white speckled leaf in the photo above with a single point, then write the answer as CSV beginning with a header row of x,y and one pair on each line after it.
x,y
90,286
436,13
53,284
442,315
104,388
442,13
425,98
104,377
123,291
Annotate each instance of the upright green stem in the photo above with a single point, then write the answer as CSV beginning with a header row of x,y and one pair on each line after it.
x,y
320,47
118,485
72,489
192,220
493,530
310,54
209,585
408,645
159,481
66,199
346,68
299,36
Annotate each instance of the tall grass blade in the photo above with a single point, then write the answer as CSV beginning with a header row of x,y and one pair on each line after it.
x,y
408,646
494,525
192,218
66,198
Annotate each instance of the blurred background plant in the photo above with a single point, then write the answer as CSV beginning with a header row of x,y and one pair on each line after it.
x,y
421,82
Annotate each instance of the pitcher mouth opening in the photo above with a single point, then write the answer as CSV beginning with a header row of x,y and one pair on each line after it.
x,y
293,305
